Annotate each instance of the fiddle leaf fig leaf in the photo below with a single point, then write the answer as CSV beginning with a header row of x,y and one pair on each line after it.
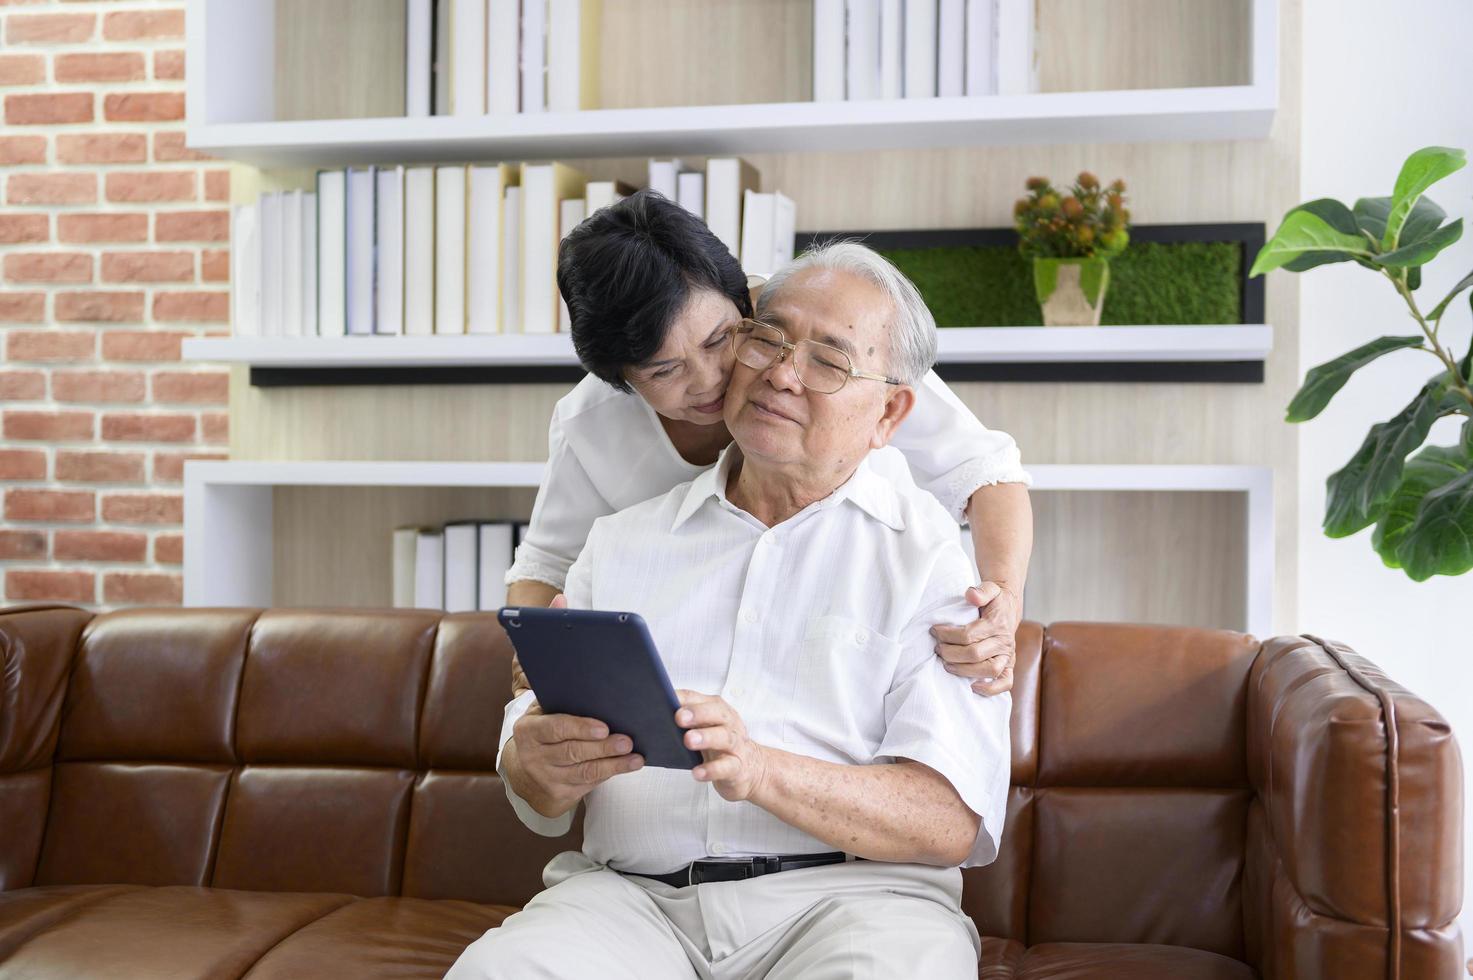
x,y
1306,233
1429,469
1420,171
1323,381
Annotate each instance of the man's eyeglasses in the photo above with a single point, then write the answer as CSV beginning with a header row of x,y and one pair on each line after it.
x,y
819,367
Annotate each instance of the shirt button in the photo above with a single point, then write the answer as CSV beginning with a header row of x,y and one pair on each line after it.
x,y
718,848
737,692
859,637
749,615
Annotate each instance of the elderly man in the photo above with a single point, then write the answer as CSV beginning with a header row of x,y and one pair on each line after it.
x,y
791,590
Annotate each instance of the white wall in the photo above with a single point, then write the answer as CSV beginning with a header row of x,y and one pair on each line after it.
x,y
1381,80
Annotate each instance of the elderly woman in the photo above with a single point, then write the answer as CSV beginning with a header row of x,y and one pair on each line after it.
x,y
654,299
790,590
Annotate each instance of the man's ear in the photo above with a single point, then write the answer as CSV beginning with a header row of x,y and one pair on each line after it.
x,y
902,399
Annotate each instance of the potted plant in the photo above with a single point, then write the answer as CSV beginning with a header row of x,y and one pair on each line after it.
x,y
1423,506
1071,239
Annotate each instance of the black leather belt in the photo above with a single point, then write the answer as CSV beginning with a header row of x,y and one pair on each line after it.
x,y
740,869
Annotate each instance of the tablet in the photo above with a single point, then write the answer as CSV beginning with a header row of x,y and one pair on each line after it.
x,y
601,665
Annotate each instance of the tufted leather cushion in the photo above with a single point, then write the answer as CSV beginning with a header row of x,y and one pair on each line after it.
x,y
285,793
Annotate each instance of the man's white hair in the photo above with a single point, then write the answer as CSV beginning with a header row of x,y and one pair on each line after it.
x,y
911,326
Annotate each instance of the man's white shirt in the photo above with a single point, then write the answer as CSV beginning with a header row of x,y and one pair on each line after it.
x,y
817,631
606,450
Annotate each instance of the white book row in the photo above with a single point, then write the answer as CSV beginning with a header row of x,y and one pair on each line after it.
x,y
922,49
757,228
460,567
479,57
458,249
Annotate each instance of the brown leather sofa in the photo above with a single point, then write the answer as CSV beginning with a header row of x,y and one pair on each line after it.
x,y
236,793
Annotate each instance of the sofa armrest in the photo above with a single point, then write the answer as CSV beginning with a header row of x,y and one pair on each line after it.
x,y
1354,860
36,648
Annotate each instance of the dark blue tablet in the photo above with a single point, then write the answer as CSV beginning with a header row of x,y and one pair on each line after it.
x,y
601,665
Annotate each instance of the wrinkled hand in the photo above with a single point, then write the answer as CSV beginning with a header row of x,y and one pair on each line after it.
x,y
567,756
734,764
984,649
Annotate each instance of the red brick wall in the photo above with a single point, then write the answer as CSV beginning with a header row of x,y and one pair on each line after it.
x,y
114,246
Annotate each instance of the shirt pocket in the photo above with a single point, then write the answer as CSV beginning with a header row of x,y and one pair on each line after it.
x,y
844,670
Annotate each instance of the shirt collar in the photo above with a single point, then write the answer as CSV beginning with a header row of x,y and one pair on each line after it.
x,y
866,489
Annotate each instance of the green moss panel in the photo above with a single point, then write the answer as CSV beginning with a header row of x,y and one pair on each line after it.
x,y
992,286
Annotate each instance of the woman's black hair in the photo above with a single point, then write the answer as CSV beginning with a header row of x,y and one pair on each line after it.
x,y
629,270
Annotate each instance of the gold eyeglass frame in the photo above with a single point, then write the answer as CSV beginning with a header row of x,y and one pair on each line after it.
x,y
748,324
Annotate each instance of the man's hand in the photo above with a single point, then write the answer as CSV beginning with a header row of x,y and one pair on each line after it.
x,y
734,764
566,756
985,649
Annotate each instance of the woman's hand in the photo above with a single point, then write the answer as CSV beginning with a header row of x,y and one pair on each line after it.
x,y
984,649
734,764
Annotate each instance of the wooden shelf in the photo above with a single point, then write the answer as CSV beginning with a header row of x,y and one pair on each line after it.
x,y
1166,353
230,112
1218,113
228,511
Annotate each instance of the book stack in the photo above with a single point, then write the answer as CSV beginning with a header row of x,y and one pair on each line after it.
x,y
458,248
921,49
273,260
458,567
756,228
480,57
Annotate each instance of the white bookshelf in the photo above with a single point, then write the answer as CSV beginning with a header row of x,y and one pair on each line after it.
x,y
228,540
957,345
230,113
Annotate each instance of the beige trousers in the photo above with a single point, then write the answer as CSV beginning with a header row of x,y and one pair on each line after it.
x,y
860,919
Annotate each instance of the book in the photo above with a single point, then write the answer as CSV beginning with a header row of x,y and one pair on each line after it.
x,y
419,250
1015,50
271,263
245,272
450,249
602,193
360,249
511,261
784,228
573,211
332,239
758,213
573,32
429,569
981,73
419,43
503,56
291,264
690,192
496,553
389,251
309,265
951,48
862,59
403,547
727,180
534,55
893,41
664,175
468,57
920,49
828,51
462,562
484,233
543,187
440,64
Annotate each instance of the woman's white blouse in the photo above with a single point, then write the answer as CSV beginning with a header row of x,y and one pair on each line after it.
x,y
606,450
